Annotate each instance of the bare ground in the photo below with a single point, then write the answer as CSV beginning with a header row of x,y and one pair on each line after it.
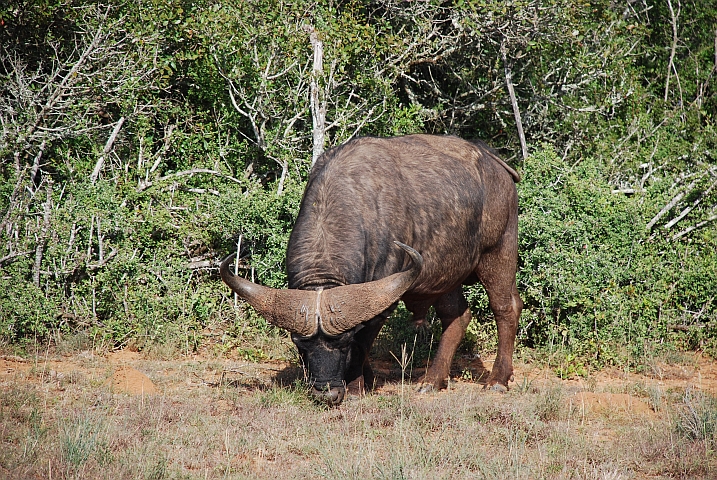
x,y
123,415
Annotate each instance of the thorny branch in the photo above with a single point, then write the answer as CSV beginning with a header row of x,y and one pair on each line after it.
x,y
671,64
62,95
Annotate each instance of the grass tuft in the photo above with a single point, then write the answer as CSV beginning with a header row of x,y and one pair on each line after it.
x,y
697,418
80,439
549,404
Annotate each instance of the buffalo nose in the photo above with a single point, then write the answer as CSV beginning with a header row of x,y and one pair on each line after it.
x,y
333,396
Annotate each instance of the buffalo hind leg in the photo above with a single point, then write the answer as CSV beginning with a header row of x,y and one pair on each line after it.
x,y
455,316
496,272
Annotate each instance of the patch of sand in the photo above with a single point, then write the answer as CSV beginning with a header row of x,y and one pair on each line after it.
x,y
608,403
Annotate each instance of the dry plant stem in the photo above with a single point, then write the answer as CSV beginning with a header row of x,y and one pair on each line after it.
x,y
627,191
514,102
108,146
66,81
99,242
694,227
236,268
89,242
165,148
36,163
688,209
671,64
12,204
669,206
43,235
11,256
258,131
145,185
284,173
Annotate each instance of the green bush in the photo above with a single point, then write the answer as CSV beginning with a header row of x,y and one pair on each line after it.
x,y
216,136
593,280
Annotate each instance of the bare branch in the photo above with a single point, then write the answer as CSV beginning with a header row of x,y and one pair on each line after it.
x,y
11,257
671,64
694,227
627,191
104,261
106,150
165,148
69,78
13,198
259,142
672,203
689,208
39,249
36,163
318,105
202,190
514,101
282,179
664,210
146,185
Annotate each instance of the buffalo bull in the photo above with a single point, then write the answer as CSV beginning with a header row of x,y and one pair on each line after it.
x,y
452,200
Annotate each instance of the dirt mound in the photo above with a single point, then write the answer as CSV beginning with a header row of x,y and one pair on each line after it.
x,y
131,381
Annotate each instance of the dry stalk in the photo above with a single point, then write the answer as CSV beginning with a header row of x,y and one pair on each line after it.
x,y
43,235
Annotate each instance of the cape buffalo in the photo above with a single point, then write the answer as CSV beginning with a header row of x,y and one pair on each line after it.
x,y
452,200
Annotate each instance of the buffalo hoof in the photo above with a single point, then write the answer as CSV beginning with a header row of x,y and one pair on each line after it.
x,y
332,397
497,387
357,387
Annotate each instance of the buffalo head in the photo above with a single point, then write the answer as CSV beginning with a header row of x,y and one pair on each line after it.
x,y
325,324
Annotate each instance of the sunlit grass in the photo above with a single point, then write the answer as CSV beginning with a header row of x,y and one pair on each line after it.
x,y
248,429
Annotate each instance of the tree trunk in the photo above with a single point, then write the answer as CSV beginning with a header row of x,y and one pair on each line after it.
x,y
318,105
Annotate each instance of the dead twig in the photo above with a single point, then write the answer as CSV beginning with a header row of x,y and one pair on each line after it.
x,y
146,184
689,208
165,148
104,260
13,198
106,150
694,227
671,64
11,257
43,235
627,191
36,163
514,101
672,203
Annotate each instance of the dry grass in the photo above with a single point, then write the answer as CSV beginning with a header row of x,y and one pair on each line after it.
x,y
241,424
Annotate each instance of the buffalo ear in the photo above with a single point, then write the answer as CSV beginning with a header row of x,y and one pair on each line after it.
x,y
343,308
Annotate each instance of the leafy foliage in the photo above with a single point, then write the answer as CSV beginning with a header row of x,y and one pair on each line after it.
x,y
154,135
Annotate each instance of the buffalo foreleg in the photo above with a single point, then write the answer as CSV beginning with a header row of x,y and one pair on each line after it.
x,y
360,377
455,316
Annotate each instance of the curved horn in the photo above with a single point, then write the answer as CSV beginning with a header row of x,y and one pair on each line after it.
x,y
293,310
342,308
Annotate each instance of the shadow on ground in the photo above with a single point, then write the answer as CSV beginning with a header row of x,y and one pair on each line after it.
x,y
389,371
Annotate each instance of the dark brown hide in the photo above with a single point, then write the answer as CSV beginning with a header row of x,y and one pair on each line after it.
x,y
454,201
